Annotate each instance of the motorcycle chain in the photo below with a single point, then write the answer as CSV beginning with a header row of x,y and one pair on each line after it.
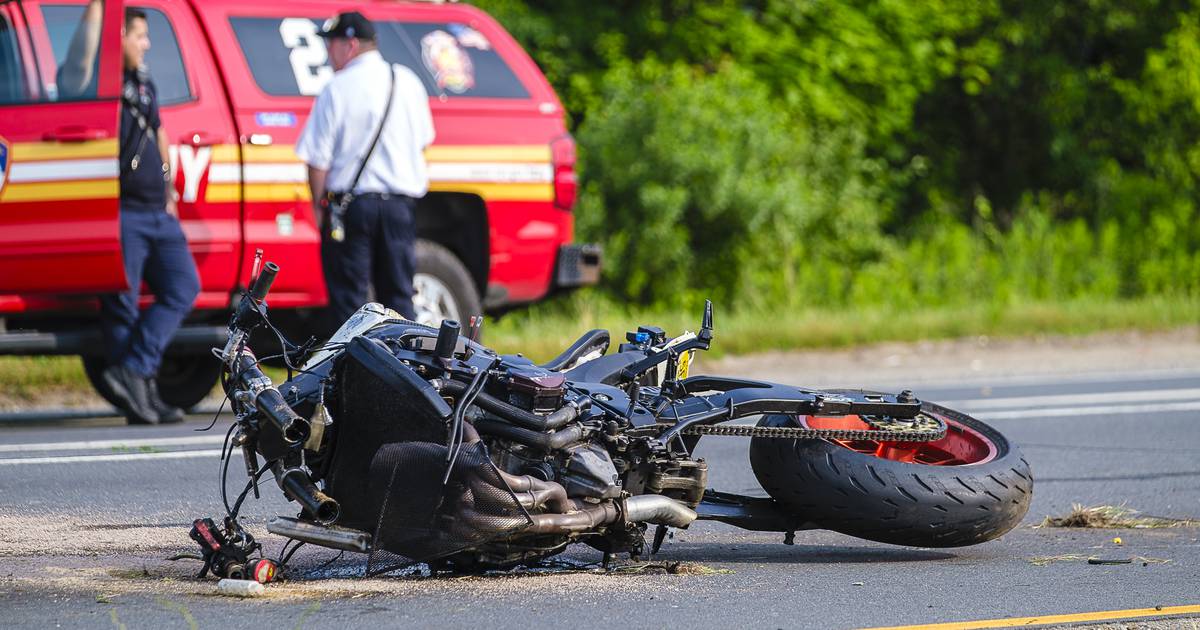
x,y
922,428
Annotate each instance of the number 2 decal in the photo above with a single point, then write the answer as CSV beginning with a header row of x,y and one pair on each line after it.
x,y
307,54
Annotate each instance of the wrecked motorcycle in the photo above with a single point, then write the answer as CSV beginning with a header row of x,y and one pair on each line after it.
x,y
419,445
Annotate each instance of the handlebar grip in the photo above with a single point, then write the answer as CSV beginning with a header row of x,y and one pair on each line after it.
x,y
294,429
262,284
270,403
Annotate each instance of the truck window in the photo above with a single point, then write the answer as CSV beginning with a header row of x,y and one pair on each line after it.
x,y
12,71
163,59
287,58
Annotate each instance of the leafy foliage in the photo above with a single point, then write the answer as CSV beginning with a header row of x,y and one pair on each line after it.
x,y
880,152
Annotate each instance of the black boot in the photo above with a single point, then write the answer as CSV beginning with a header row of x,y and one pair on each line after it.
x,y
167,413
131,392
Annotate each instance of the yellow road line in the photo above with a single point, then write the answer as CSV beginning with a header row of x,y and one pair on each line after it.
x,y
1014,622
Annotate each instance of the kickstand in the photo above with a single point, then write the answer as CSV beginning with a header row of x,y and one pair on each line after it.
x,y
607,560
660,534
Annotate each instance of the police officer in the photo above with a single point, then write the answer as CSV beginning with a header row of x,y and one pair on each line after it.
x,y
152,242
370,240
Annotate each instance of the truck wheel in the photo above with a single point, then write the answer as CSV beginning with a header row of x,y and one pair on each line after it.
x,y
442,287
183,381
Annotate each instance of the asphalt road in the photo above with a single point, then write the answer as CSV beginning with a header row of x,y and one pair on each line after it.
x,y
88,515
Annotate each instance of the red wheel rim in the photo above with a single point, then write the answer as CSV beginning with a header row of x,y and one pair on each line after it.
x,y
961,446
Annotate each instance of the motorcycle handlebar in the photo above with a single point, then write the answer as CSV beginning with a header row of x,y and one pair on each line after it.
x,y
270,403
262,284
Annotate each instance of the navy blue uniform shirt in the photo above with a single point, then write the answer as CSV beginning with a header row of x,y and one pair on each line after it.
x,y
144,187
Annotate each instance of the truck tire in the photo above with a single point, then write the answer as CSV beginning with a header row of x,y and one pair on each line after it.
x,y
443,288
923,503
183,380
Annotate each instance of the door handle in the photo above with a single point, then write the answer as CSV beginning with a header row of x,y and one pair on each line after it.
x,y
200,139
76,133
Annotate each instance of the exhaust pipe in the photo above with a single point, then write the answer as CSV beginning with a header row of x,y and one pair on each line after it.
x,y
658,510
652,508
534,493
581,521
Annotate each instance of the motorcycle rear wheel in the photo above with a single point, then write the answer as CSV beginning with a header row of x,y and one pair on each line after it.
x,y
969,487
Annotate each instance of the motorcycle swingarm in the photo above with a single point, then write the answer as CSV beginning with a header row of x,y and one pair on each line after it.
x,y
738,398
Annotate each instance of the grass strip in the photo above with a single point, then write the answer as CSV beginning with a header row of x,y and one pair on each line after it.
x,y
542,331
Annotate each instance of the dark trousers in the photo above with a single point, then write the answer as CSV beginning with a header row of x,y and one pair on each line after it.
x,y
156,251
378,250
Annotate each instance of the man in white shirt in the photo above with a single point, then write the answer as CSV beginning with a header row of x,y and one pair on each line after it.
x,y
372,241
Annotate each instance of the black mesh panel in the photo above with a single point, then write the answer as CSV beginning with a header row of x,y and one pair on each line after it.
x,y
369,414
420,519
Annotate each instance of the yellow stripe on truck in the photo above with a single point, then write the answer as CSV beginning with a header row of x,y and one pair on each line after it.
x,y
61,191
290,191
35,151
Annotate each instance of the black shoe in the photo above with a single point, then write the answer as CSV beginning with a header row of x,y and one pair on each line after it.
x,y
167,413
131,392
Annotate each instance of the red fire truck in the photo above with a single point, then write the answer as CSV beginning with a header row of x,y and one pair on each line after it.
x,y
236,80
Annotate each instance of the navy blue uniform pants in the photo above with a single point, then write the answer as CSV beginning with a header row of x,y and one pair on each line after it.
x,y
378,251
156,251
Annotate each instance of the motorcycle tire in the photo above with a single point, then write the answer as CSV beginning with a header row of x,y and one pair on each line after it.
x,y
969,487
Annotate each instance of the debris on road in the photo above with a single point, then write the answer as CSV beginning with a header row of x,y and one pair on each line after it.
x,y
1114,517
1042,561
672,568
1110,560
241,588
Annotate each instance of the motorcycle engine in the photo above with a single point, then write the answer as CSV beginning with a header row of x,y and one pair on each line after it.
x,y
535,389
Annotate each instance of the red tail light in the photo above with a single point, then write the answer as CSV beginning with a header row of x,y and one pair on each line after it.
x,y
562,154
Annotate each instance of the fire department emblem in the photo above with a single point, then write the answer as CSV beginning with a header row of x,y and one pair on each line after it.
x,y
5,151
450,65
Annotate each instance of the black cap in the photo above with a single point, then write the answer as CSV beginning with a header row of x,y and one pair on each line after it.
x,y
350,24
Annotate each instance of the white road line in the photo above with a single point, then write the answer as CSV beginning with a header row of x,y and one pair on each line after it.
x,y
1097,398
1160,374
126,457
1052,412
198,440
1064,412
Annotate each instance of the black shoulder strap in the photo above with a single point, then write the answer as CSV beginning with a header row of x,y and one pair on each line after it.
x,y
387,109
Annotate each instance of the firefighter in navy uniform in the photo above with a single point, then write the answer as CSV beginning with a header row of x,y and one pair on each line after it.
x,y
152,242
364,146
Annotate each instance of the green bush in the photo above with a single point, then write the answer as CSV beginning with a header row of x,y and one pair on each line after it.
x,y
699,187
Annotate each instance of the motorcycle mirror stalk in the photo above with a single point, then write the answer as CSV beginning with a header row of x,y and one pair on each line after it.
x,y
702,341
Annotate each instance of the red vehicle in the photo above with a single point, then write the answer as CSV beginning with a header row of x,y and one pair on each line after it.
x,y
236,81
